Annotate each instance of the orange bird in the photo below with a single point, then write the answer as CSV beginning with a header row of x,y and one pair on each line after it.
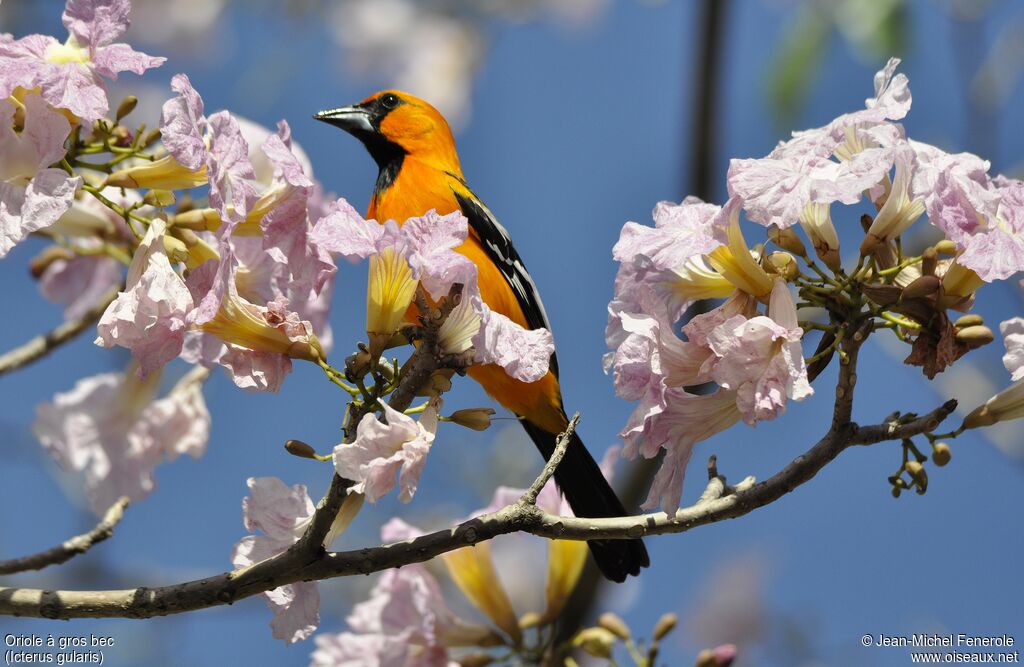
x,y
419,170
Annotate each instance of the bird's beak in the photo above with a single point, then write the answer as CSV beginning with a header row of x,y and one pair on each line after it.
x,y
354,120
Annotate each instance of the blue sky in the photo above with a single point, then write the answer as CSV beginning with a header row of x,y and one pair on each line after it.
x,y
573,132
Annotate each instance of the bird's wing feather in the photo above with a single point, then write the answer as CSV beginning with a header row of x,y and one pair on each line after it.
x,y
498,245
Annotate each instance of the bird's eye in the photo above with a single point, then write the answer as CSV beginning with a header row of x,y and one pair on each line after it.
x,y
389,101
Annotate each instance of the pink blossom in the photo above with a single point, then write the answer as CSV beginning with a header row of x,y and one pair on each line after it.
x,y
79,282
70,74
287,226
685,420
150,316
680,231
405,623
383,450
987,224
32,195
217,143
760,358
802,171
1013,337
282,515
110,429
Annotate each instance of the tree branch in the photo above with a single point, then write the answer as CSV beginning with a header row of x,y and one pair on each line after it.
x,y
719,502
42,345
530,497
71,548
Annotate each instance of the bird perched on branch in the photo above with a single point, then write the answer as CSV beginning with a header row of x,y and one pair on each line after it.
x,y
419,171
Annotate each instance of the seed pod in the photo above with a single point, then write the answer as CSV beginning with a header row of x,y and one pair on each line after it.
x,y
300,449
126,106
614,624
941,454
975,336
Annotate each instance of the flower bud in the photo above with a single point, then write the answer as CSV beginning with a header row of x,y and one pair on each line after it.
x,y
598,642
975,336
176,249
613,624
787,239
37,267
300,449
122,136
783,264
126,106
478,419
945,247
150,138
159,198
896,491
720,656
929,260
440,382
970,320
358,364
941,454
665,625
924,286
917,473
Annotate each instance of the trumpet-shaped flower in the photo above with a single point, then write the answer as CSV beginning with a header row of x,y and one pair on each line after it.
x,y
680,233
214,144
405,623
254,343
1009,403
283,514
79,281
684,420
987,224
150,316
383,450
900,209
733,260
760,358
776,189
32,195
70,75
111,429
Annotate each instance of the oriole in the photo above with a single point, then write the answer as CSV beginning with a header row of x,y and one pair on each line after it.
x,y
419,170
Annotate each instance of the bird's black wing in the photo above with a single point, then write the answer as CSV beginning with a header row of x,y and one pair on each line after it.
x,y
498,246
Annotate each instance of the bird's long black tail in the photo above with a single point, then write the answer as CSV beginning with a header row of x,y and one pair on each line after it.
x,y
589,494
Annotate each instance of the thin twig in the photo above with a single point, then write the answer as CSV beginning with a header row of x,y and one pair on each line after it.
x,y
71,548
530,496
42,345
